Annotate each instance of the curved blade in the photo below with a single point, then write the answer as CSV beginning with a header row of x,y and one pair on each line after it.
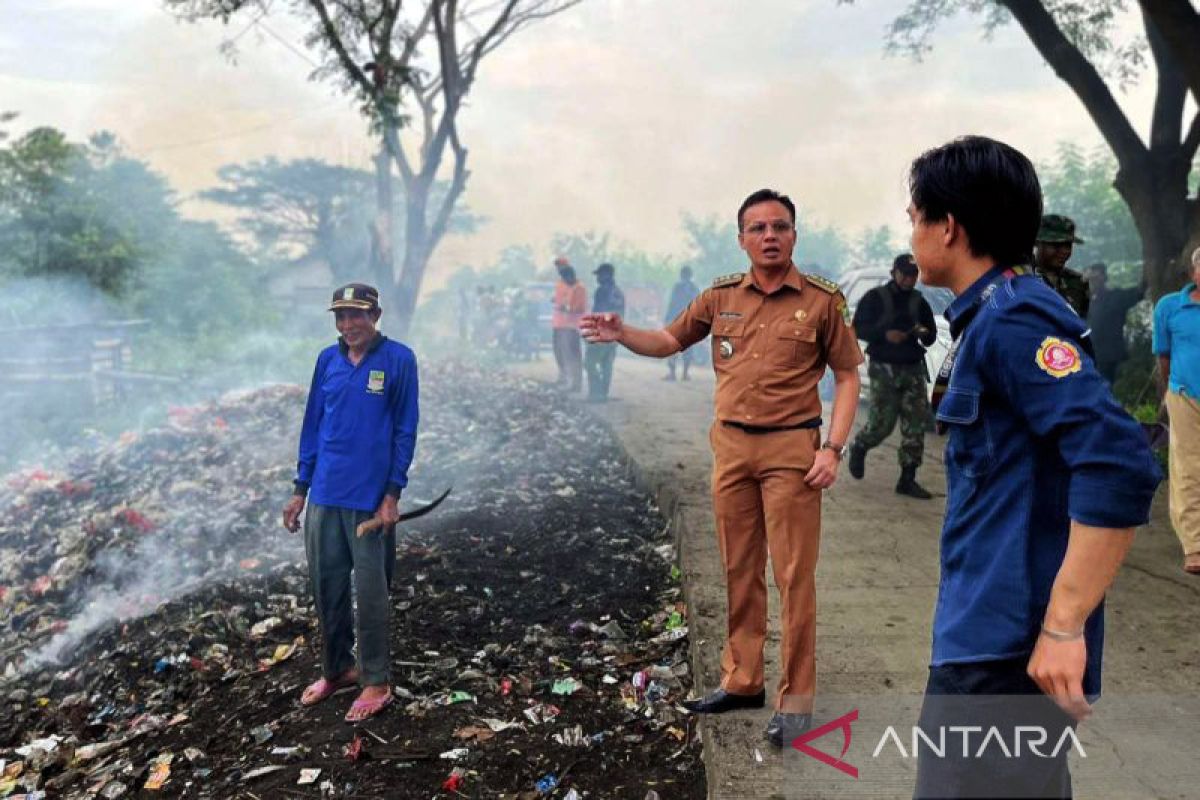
x,y
423,510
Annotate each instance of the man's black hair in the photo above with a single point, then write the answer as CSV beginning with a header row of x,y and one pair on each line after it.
x,y
1099,266
766,196
990,188
904,261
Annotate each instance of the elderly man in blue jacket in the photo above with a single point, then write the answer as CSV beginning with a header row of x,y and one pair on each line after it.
x,y
356,445
1047,477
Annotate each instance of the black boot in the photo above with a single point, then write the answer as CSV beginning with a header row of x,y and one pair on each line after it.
x,y
907,485
858,461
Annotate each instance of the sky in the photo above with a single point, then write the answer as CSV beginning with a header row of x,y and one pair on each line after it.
x,y
617,116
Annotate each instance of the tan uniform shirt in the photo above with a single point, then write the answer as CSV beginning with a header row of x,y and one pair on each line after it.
x,y
770,351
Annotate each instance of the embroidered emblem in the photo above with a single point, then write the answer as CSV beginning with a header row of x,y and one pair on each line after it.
x,y
800,315
727,280
726,349
1058,358
375,381
348,294
844,310
730,314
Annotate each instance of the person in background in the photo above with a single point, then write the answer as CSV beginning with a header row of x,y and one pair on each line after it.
x,y
1176,342
356,445
682,293
1106,316
897,324
598,363
570,303
1056,240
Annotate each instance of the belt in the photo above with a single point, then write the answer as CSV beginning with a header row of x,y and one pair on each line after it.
x,y
815,422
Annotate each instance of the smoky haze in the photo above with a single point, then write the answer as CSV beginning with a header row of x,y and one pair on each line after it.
x,y
163,319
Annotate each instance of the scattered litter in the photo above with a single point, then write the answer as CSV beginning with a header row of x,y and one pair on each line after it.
x,y
566,687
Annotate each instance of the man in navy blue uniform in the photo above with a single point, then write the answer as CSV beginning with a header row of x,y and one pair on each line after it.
x,y
1047,478
360,430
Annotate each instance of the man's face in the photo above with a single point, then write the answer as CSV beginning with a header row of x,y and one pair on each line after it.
x,y
905,280
1053,256
929,248
768,235
356,326
1096,279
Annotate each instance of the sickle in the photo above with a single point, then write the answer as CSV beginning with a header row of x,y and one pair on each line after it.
x,y
375,522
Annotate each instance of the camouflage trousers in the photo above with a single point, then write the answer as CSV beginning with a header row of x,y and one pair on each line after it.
x,y
897,391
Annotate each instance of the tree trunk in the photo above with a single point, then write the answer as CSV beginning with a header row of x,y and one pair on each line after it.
x,y
417,250
1156,193
382,266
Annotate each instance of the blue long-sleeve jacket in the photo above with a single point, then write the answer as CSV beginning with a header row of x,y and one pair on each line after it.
x,y
1036,440
360,426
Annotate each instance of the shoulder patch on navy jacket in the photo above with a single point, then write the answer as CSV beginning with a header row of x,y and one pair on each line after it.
x,y
728,280
824,284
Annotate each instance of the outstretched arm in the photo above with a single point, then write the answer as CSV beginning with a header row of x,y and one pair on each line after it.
x,y
609,327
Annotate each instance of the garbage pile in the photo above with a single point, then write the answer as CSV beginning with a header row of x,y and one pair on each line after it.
x,y
539,636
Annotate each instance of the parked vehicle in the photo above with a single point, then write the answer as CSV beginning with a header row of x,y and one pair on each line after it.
x,y
857,282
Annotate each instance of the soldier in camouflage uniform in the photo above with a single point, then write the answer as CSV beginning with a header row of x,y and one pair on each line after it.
x,y
897,324
1055,240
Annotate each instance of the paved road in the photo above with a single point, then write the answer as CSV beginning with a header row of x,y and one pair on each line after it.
x,y
877,581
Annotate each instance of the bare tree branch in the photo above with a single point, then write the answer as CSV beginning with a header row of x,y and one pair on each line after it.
x,y
1073,68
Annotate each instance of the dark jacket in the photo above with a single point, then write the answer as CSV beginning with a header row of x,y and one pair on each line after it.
x,y
682,293
1106,317
886,308
608,298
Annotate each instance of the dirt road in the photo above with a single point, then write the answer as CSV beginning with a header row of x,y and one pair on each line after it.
x,y
877,582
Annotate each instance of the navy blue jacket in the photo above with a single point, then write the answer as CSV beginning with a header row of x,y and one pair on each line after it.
x,y
360,426
1035,440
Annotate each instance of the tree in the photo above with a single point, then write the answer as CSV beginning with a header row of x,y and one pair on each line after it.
x,y
1078,183
306,208
1077,40
875,247
53,218
298,208
386,54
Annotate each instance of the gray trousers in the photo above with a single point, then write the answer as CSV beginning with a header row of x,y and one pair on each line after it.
x,y
334,552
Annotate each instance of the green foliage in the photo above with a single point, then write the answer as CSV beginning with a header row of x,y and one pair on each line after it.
x,y
1091,25
295,208
712,248
306,209
876,246
1078,183
77,211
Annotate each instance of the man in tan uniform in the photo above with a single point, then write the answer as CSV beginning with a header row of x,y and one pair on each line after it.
x,y
774,331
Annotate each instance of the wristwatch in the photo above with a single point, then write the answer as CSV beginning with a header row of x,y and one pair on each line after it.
x,y
836,448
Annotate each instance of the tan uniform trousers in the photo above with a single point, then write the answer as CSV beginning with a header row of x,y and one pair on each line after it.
x,y
1185,470
762,504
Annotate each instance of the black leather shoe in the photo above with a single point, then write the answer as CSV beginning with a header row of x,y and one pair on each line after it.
x,y
721,701
783,728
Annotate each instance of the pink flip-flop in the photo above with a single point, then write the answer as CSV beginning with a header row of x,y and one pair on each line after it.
x,y
371,707
323,688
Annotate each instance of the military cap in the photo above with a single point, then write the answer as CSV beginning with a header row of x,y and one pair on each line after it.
x,y
1057,229
355,295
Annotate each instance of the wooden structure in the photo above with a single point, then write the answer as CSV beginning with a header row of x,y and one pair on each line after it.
x,y
81,365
